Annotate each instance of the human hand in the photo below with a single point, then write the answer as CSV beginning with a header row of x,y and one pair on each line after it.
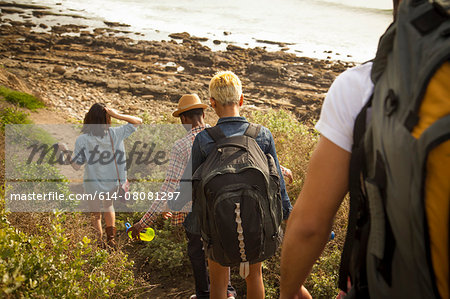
x,y
62,146
135,230
302,293
167,215
287,174
112,112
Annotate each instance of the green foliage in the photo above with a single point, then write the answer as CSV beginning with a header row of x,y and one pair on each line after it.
x,y
12,116
49,264
323,280
20,98
166,254
282,122
54,263
294,143
164,118
29,134
39,179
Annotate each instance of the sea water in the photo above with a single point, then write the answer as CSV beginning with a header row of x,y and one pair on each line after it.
x,y
337,29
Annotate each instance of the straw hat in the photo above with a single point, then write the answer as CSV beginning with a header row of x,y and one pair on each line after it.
x,y
188,102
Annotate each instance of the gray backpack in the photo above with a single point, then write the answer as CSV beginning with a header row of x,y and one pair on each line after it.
x,y
399,160
237,192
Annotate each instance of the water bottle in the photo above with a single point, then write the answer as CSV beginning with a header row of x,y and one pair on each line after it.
x,y
332,235
146,235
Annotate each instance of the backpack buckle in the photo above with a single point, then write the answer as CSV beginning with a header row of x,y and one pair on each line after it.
x,y
390,103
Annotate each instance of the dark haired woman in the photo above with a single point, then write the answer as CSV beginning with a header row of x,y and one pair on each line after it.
x,y
102,150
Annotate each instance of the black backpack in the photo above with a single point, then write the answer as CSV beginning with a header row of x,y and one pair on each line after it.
x,y
387,252
237,193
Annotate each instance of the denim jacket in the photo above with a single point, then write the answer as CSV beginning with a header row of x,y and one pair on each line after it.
x,y
234,126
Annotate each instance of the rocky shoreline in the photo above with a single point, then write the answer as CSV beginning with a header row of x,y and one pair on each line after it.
x,y
71,66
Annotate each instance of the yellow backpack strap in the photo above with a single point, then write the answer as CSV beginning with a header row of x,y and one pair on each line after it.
x,y
436,106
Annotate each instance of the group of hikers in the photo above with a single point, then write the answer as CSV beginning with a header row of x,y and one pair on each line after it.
x,y
381,137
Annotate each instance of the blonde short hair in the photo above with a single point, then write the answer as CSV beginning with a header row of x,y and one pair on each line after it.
x,y
225,88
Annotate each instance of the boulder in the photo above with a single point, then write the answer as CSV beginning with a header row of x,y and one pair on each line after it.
x,y
59,70
269,69
182,35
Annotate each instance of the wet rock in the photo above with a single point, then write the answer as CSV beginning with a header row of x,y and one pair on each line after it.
x,y
17,23
99,31
24,6
170,68
11,10
59,70
205,59
85,33
115,24
268,69
200,39
263,41
231,48
40,13
182,35
34,47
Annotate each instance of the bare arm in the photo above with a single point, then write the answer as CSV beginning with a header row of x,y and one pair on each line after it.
x,y
311,220
128,118
68,156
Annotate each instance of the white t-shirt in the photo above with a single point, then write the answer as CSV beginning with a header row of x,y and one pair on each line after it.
x,y
347,95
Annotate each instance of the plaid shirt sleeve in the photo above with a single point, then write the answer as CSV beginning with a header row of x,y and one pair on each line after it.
x,y
177,163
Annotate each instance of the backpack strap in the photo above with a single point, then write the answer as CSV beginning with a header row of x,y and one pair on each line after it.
x,y
430,19
356,218
215,133
115,162
252,130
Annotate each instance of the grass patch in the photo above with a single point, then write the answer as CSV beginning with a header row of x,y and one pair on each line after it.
x,y
12,116
21,99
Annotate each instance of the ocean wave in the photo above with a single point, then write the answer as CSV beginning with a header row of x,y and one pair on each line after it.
x,y
358,6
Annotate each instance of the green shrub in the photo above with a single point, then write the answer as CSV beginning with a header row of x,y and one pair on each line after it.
x,y
20,98
39,179
294,143
12,116
49,264
167,254
323,280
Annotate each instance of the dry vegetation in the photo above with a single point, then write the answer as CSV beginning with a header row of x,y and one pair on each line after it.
x,y
54,254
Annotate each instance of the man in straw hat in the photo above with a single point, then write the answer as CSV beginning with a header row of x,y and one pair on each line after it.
x,y
191,112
